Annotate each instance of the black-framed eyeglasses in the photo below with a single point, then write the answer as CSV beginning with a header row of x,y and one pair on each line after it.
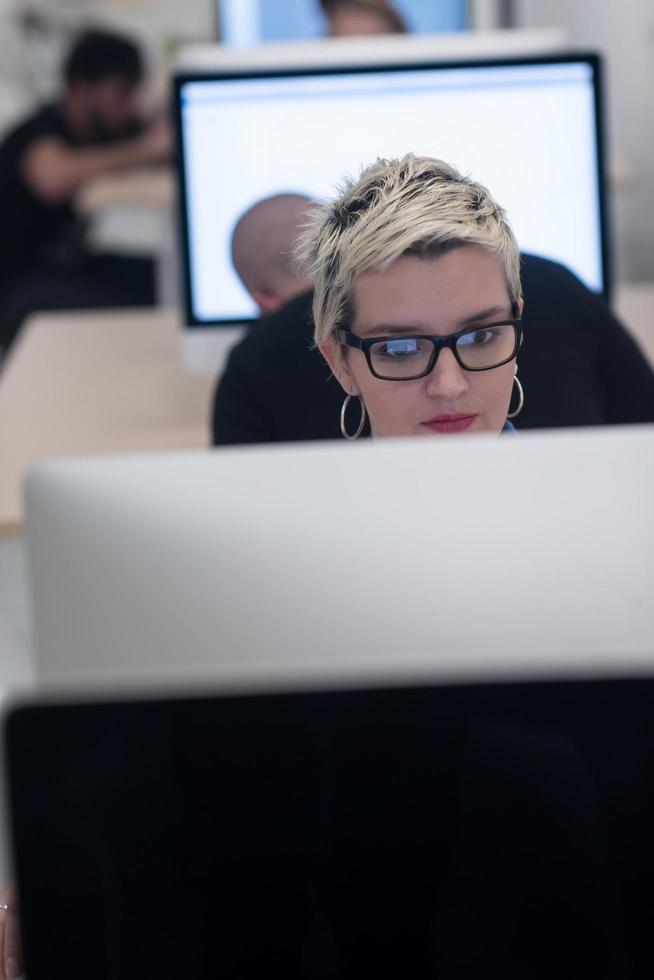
x,y
407,358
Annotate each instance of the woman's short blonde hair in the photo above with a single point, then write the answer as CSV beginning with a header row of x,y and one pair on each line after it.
x,y
413,206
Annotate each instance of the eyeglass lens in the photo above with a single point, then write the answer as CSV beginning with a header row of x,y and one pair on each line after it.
x,y
408,357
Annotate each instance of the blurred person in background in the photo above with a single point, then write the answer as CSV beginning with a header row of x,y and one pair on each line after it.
x,y
351,18
93,129
274,370
262,248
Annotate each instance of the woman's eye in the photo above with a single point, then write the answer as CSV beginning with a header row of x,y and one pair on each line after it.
x,y
397,349
479,338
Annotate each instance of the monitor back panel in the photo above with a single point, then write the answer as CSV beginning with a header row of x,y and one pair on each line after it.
x,y
471,557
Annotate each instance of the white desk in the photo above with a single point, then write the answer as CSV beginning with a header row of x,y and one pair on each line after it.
x,y
132,213
95,383
151,188
634,304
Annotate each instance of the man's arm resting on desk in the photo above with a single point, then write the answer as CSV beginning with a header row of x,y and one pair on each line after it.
x,y
54,171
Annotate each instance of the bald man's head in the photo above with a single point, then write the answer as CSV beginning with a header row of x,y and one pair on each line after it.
x,y
262,249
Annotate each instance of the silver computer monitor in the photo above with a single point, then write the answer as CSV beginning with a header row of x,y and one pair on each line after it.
x,y
475,557
527,127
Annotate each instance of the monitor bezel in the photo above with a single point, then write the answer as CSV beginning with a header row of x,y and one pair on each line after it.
x,y
183,78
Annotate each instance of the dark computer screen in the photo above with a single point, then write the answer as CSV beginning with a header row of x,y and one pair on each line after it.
x,y
501,830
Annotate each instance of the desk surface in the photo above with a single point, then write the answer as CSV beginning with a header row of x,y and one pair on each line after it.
x,y
634,303
151,188
87,383
113,382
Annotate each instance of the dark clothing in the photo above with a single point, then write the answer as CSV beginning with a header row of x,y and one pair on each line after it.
x,y
37,233
34,232
102,281
44,264
276,387
578,366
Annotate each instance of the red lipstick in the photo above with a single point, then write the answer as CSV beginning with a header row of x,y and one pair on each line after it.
x,y
457,422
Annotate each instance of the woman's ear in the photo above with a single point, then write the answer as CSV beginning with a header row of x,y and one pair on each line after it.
x,y
332,351
268,302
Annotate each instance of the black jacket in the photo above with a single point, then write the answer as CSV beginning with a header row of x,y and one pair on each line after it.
x,y
578,366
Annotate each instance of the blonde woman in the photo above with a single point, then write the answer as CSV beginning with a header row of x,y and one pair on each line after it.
x,y
417,303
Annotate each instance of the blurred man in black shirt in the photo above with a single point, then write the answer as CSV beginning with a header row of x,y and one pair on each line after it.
x,y
92,130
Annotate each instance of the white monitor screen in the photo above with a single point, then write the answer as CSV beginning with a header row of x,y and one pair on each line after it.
x,y
527,130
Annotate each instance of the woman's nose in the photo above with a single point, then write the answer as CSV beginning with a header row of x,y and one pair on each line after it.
x,y
447,379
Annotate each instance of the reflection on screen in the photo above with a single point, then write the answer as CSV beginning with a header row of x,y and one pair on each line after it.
x,y
527,132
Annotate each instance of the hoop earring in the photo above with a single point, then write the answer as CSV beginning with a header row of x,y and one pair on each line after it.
x,y
362,421
521,397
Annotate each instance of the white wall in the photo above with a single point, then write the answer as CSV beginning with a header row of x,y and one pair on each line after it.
x,y
30,60
624,31
159,22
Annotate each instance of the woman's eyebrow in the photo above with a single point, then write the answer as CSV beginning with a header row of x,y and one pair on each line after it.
x,y
388,329
483,315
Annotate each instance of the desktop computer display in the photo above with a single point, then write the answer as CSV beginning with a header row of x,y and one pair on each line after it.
x,y
428,832
425,740
528,128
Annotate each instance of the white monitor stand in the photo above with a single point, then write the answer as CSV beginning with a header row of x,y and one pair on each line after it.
x,y
205,349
